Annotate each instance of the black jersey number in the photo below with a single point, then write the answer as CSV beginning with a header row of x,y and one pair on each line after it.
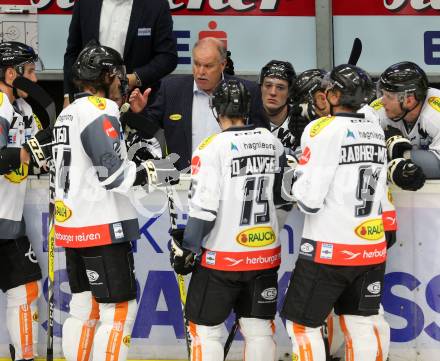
x,y
255,192
366,189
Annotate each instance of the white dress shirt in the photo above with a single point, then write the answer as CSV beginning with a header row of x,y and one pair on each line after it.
x,y
113,24
204,123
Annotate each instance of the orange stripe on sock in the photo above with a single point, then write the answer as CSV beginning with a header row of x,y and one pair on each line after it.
x,y
349,354
305,348
115,338
196,347
88,333
330,326
379,356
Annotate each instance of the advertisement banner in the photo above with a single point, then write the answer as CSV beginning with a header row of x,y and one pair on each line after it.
x,y
288,25
411,293
390,30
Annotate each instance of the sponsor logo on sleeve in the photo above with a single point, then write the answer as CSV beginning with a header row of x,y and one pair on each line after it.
x,y
305,156
98,102
109,129
371,230
377,104
175,117
62,212
18,175
434,102
195,165
320,124
206,141
256,237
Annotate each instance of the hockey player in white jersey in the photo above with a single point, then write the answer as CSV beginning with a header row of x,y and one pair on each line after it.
x,y
20,273
233,229
340,186
409,112
286,123
94,218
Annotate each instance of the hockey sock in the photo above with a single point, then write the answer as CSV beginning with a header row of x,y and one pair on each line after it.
x,y
259,344
307,342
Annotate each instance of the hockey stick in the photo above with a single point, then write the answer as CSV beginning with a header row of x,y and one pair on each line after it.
x,y
230,339
180,279
46,113
356,51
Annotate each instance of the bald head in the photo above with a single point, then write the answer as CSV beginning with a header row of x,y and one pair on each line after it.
x,y
209,60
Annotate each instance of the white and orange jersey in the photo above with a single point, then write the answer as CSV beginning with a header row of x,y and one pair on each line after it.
x,y
425,134
235,186
341,187
17,125
93,176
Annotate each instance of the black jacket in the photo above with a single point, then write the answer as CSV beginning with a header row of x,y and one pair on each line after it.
x,y
152,57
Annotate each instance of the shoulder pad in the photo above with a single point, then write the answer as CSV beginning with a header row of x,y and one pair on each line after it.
x,y
320,124
377,104
206,141
434,102
98,102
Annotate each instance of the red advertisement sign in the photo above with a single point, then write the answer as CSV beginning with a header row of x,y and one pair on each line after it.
x,y
197,7
386,7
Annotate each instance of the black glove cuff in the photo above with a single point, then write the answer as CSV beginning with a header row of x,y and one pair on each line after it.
x,y
9,159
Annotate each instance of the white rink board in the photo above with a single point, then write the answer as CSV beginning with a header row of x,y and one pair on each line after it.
x,y
411,292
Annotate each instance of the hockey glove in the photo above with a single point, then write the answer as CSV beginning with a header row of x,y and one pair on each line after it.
x,y
39,147
405,174
397,144
297,124
390,237
157,173
182,260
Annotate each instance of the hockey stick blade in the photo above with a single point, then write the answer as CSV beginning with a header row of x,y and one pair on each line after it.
x,y
356,51
40,101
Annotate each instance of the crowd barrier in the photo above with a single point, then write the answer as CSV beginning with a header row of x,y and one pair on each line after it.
x,y
411,294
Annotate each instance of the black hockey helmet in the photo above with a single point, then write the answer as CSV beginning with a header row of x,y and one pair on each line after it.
x,y
306,84
231,99
96,59
15,54
404,77
278,69
354,83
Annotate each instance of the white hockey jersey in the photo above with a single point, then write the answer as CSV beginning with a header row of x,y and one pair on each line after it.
x,y
17,124
93,176
341,187
425,134
235,181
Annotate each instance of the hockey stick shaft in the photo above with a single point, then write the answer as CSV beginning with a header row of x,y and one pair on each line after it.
x,y
180,279
51,262
356,51
230,339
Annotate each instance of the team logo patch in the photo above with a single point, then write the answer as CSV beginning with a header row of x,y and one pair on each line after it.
x,y
18,175
127,340
371,230
377,104
305,156
206,141
195,165
93,276
434,102
320,124
62,212
109,129
256,237
374,288
175,117
269,294
35,316
98,102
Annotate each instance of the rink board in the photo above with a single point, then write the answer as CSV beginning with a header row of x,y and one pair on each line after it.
x,y
411,294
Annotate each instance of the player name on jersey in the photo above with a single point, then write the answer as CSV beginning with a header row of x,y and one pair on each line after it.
x,y
253,164
358,153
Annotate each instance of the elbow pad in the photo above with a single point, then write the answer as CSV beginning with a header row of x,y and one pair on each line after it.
x,y
9,159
